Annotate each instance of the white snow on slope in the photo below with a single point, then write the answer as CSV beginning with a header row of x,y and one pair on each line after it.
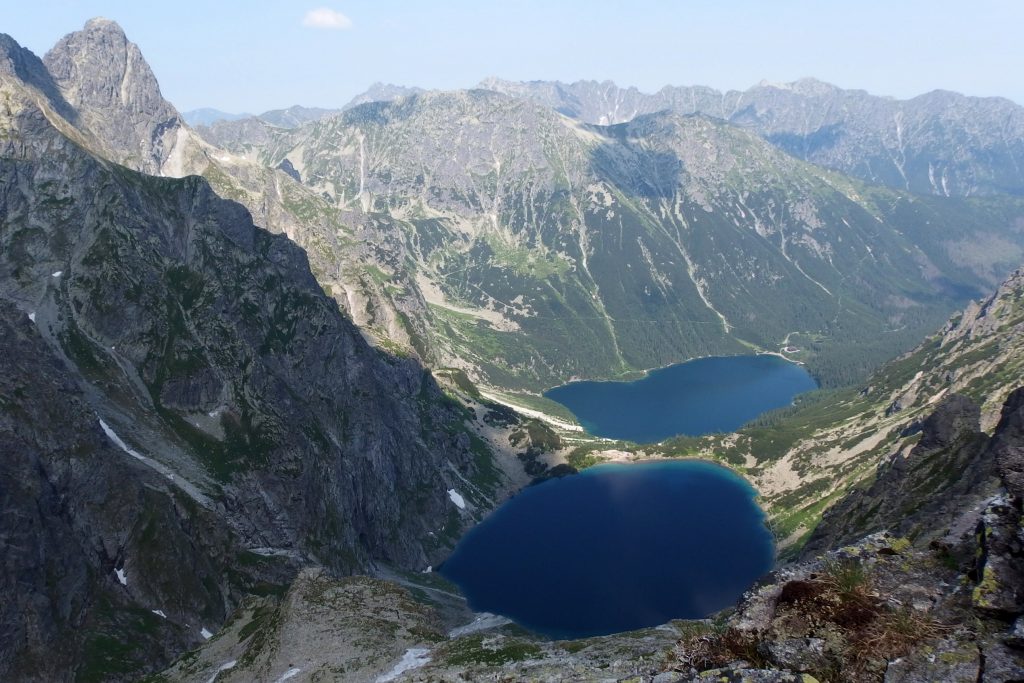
x,y
290,673
223,667
159,613
117,441
205,633
181,483
32,316
457,498
58,273
413,658
483,621
122,576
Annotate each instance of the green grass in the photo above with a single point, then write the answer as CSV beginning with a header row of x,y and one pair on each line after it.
x,y
471,650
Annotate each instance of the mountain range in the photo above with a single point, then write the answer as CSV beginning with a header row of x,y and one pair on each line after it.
x,y
246,364
940,143
634,245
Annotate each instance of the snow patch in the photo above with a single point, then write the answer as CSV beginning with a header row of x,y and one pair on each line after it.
x,y
429,569
457,498
117,441
414,658
205,633
122,576
32,316
273,552
483,621
223,667
290,673
159,613
58,273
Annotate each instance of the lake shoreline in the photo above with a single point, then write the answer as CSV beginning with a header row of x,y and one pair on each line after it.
x,y
548,557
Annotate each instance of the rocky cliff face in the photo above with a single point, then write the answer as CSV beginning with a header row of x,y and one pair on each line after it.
x,y
242,414
949,469
108,565
939,143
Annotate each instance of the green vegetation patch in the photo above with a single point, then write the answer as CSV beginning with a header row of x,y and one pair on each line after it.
x,y
479,649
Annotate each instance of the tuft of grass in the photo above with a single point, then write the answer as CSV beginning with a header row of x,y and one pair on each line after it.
x,y
849,578
893,634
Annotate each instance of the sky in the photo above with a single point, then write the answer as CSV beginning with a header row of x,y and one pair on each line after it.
x,y
255,55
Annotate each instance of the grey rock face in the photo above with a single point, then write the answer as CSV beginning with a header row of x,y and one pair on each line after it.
x,y
950,469
1001,663
798,654
1008,446
107,566
955,662
1000,560
741,674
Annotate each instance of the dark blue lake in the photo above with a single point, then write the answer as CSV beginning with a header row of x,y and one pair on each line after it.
x,y
702,396
616,547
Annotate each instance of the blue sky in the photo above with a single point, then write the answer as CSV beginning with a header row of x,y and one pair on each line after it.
x,y
255,55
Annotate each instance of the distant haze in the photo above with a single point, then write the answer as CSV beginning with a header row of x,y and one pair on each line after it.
x,y
238,55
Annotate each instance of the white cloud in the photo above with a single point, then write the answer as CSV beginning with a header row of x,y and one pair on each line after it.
x,y
324,17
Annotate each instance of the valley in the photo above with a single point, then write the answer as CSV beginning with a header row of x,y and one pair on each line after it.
x,y
262,379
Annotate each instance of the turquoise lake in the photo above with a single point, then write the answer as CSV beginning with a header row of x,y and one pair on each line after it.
x,y
615,548
718,394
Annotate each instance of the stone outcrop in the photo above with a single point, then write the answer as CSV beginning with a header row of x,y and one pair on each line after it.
x,y
949,470
1008,445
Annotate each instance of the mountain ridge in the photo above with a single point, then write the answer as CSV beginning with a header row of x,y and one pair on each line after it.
x,y
933,143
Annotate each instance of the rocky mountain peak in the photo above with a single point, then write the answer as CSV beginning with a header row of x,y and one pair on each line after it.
x,y
106,79
103,24
18,61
